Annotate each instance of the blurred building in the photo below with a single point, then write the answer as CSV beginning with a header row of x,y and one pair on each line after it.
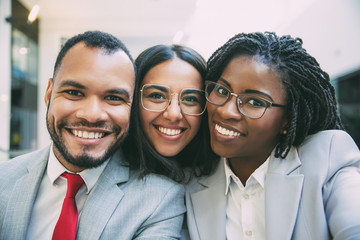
x,y
330,30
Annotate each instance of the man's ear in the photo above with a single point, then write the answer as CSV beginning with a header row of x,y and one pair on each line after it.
x,y
48,92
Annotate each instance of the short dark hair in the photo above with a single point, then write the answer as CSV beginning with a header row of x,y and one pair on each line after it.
x,y
311,102
142,154
92,39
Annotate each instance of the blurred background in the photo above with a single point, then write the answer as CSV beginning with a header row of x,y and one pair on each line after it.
x,y
29,44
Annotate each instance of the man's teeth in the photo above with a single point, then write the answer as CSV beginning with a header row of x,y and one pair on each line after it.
x,y
226,132
169,131
87,135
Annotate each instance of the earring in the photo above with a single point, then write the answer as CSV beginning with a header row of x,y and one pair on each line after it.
x,y
284,132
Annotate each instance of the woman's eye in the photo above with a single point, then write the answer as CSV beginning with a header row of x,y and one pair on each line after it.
x,y
190,100
156,96
222,90
256,102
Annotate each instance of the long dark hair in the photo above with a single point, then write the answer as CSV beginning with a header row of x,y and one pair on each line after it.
x,y
197,156
311,102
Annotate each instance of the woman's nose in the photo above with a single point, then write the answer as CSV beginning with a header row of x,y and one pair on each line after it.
x,y
173,111
230,110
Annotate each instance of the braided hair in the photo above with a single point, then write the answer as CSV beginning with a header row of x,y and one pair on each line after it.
x,y
311,103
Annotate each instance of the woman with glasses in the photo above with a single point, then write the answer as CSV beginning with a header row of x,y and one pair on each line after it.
x,y
288,170
168,126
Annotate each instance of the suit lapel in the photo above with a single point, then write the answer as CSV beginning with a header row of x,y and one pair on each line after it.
x,y
283,186
24,192
210,206
104,199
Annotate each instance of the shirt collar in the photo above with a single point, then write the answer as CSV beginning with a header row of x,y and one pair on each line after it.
x,y
258,174
55,169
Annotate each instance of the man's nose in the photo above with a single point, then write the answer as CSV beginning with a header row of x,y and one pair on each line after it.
x,y
92,110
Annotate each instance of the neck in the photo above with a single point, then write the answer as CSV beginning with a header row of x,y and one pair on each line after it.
x,y
244,167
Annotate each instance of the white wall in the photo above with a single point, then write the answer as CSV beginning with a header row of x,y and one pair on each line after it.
x,y
330,30
5,74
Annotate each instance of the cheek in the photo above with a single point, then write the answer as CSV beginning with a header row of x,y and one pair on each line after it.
x,y
267,127
194,122
121,117
210,109
146,120
60,109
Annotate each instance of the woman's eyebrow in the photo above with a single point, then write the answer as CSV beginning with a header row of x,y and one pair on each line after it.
x,y
248,90
224,81
258,92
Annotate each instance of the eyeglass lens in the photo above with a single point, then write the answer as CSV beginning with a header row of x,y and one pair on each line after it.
x,y
157,98
249,105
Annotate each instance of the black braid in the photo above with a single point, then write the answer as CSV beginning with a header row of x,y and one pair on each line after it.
x,y
311,102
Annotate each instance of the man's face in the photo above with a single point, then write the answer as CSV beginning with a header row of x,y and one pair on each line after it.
x,y
89,103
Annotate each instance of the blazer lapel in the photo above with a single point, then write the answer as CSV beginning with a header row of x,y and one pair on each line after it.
x,y
210,206
283,186
23,196
104,199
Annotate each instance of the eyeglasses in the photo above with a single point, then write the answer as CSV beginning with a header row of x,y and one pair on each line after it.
x,y
249,105
156,98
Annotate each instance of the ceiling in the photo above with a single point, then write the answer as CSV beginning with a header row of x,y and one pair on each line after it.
x,y
162,14
201,24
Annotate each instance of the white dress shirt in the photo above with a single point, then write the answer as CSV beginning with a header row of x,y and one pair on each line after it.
x,y
245,210
52,191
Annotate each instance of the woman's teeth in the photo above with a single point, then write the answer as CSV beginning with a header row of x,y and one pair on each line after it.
x,y
226,132
169,131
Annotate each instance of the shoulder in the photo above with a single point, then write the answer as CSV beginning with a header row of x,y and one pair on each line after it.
x,y
328,150
22,162
329,142
155,184
196,184
330,137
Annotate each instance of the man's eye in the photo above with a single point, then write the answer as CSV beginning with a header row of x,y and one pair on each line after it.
x,y
115,98
74,93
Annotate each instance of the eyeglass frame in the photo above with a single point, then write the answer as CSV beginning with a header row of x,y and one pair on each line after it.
x,y
169,100
239,101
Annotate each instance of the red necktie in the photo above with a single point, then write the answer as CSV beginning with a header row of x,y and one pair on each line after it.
x,y
65,228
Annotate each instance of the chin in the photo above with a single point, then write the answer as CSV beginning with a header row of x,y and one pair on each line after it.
x,y
169,153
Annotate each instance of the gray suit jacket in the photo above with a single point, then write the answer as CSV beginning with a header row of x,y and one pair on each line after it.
x,y
121,206
314,195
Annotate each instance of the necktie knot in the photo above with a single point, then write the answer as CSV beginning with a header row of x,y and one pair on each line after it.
x,y
74,182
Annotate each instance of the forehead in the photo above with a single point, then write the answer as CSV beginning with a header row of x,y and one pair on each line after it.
x,y
249,73
94,66
174,73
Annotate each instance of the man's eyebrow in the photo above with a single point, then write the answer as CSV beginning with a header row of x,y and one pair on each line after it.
x,y
119,91
71,83
75,84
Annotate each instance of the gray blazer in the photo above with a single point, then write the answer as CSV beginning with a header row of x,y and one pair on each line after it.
x,y
121,206
315,195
